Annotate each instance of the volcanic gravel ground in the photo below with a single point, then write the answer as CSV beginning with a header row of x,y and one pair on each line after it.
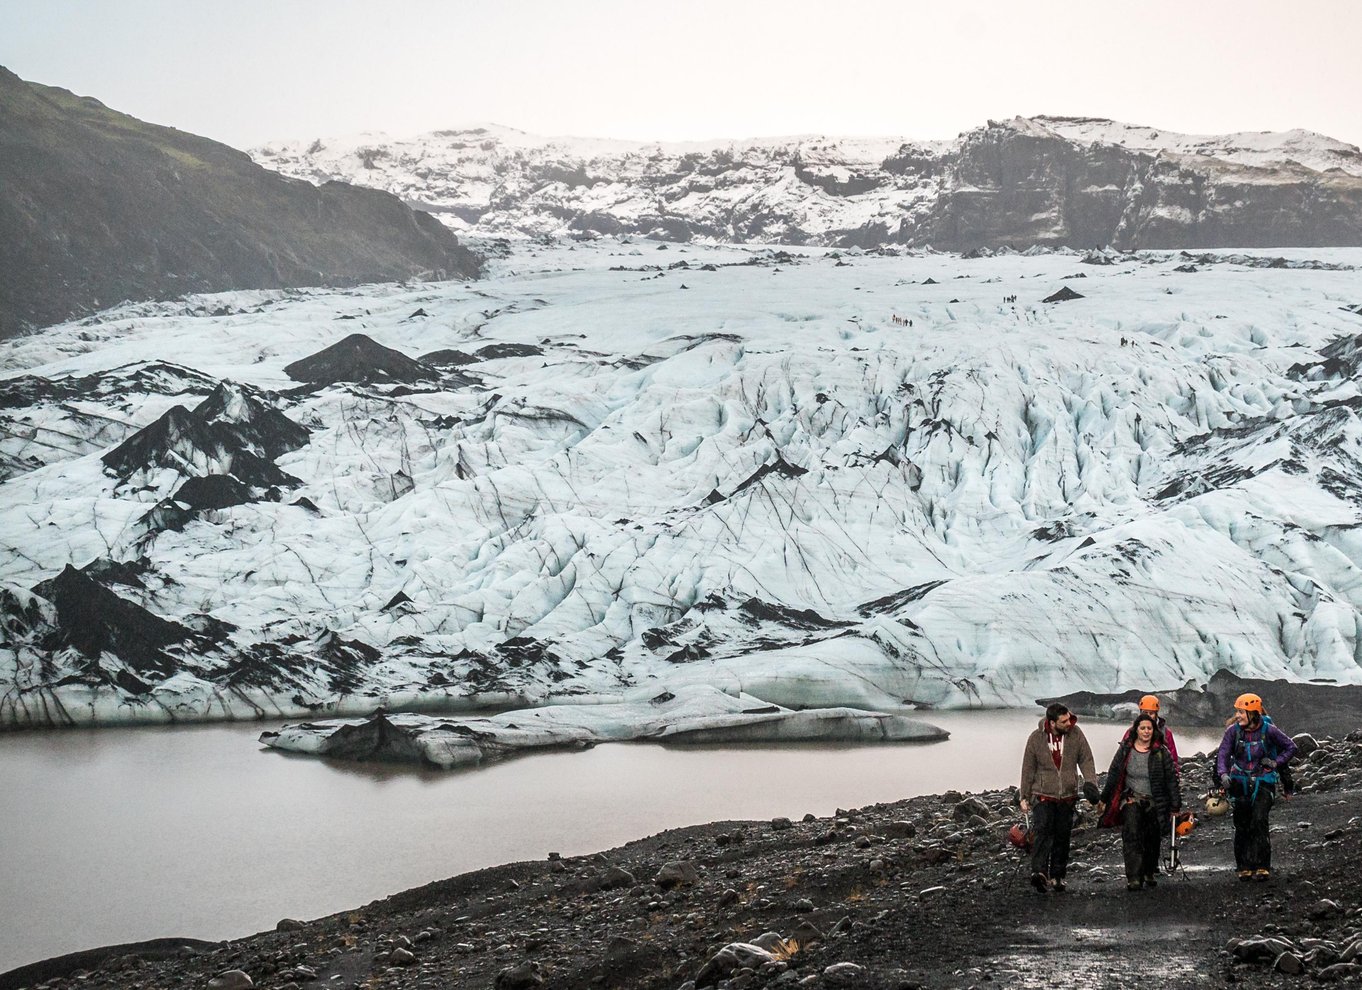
x,y
919,893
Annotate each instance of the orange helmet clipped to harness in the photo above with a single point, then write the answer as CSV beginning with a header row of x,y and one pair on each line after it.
x,y
1020,836
1149,703
1185,823
1249,703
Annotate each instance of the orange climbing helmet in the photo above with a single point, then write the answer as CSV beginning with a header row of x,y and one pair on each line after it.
x,y
1020,836
1149,703
1185,823
1249,703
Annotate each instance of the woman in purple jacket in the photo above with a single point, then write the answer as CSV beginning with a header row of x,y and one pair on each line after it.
x,y
1247,763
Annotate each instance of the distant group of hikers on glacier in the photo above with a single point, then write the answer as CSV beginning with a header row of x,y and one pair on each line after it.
x,y
1143,791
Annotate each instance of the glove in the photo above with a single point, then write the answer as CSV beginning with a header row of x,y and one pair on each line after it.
x,y
1270,763
1091,792
1225,780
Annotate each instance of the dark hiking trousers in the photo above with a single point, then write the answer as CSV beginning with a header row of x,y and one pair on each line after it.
x,y
1140,834
1053,822
1252,848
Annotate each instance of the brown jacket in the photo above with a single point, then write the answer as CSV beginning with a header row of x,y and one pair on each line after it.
x,y
1039,778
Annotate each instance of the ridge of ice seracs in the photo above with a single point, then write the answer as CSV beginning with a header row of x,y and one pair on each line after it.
x,y
644,467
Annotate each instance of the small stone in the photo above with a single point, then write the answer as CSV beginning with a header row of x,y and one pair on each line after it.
x,y
770,941
969,808
1324,908
232,979
402,957
844,974
614,878
729,959
781,824
803,905
1339,971
1289,963
288,925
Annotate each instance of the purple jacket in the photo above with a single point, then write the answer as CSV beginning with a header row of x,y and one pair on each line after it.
x,y
1242,752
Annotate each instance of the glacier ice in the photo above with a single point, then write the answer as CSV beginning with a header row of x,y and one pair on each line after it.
x,y
762,484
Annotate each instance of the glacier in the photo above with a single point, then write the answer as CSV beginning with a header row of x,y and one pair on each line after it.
x,y
618,468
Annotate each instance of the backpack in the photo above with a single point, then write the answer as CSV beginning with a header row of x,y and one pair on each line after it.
x,y
1284,774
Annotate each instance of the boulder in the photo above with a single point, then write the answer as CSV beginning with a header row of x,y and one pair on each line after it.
x,y
731,958
525,976
675,874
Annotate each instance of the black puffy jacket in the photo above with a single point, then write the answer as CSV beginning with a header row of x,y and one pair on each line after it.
x,y
1163,782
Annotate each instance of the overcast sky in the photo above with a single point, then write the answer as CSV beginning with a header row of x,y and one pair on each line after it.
x,y
247,72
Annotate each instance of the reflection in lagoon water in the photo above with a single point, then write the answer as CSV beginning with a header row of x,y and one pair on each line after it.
x,y
117,835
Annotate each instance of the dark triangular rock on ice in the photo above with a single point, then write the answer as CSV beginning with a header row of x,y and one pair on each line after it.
x,y
375,739
167,515
213,491
493,351
358,358
253,420
780,466
181,441
94,620
1063,295
447,358
401,598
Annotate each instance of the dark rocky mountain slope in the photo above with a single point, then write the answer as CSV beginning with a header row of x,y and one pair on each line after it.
x,y
97,207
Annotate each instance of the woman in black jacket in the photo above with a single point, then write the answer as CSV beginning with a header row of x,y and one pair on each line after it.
x,y
1143,794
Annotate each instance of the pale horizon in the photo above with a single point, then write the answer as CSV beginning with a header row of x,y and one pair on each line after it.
x,y
256,73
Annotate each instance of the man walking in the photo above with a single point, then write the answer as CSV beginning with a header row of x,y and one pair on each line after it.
x,y
1055,754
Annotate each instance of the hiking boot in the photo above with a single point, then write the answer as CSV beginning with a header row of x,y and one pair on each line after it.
x,y
1041,882
1150,882
1134,885
1261,875
1058,886
1245,874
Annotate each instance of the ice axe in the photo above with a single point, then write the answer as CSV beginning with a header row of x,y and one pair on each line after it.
x,y
1181,825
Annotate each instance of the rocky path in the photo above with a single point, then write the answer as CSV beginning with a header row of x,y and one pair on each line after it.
x,y
921,893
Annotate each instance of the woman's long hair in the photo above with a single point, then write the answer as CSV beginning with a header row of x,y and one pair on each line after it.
x,y
1156,740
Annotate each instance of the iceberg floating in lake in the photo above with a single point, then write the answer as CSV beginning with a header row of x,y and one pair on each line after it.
x,y
694,715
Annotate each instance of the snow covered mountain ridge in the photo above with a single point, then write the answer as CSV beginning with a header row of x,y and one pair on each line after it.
x,y
617,470
1054,181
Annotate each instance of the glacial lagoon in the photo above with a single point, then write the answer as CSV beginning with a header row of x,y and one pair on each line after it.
x,y
118,835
